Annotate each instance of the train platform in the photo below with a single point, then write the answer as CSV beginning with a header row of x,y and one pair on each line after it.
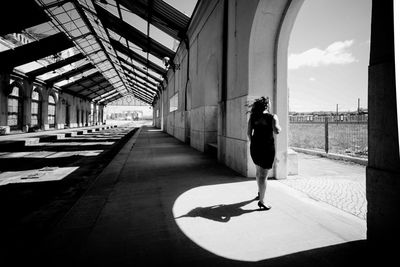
x,y
161,203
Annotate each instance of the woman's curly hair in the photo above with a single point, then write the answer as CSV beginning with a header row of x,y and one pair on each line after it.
x,y
259,105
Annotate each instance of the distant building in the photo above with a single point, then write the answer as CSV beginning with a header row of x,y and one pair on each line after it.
x,y
128,108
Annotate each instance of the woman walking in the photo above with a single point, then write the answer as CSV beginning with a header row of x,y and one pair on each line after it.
x,y
261,128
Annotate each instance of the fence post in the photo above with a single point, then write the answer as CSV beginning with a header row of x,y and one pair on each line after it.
x,y
326,135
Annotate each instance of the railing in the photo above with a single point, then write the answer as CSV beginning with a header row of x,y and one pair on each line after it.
x,y
347,136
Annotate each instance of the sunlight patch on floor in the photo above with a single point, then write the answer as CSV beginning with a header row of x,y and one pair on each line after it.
x,y
45,174
224,219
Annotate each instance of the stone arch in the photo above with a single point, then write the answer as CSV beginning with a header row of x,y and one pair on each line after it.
x,y
268,66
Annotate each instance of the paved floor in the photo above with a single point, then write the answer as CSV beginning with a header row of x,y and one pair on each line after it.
x,y
161,203
338,183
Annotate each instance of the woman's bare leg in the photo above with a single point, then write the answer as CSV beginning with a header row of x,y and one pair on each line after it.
x,y
262,182
257,179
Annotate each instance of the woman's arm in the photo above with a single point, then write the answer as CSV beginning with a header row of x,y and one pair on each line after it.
x,y
276,127
249,129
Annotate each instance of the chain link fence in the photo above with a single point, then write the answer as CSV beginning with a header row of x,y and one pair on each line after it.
x,y
341,135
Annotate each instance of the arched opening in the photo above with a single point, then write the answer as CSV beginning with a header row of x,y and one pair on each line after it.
x,y
36,108
269,37
268,76
52,111
15,110
328,91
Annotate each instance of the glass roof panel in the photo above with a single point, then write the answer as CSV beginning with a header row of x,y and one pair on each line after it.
x,y
29,35
62,70
76,77
163,38
42,30
184,6
68,17
47,60
72,17
134,20
154,32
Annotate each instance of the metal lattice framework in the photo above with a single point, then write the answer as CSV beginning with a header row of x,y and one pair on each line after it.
x,y
113,51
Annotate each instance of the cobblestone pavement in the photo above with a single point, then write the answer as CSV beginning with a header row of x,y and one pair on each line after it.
x,y
338,183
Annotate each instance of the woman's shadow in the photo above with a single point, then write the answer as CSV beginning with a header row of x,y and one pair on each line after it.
x,y
221,212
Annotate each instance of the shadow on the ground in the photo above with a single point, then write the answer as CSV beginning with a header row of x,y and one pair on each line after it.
x,y
220,212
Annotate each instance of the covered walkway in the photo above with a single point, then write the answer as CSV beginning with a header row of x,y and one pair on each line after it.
x,y
160,202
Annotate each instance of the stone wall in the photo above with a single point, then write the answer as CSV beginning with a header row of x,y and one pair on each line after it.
x,y
229,60
198,118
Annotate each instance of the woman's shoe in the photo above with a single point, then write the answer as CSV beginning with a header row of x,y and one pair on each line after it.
x,y
262,206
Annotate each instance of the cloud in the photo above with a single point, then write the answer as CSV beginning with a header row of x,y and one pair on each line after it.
x,y
312,79
335,53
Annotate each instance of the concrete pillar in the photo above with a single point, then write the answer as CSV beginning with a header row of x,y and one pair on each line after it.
x,y
165,110
383,171
72,112
100,109
60,112
27,87
206,75
160,103
87,113
45,109
4,84
94,114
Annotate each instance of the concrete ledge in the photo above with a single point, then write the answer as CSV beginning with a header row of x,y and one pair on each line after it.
x,y
31,141
331,155
8,136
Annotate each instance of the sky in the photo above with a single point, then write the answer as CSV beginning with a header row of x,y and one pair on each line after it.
x,y
184,6
328,56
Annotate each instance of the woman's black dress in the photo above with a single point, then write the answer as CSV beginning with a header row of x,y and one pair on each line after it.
x,y
262,145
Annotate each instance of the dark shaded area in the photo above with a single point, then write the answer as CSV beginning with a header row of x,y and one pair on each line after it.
x,y
25,19
30,210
